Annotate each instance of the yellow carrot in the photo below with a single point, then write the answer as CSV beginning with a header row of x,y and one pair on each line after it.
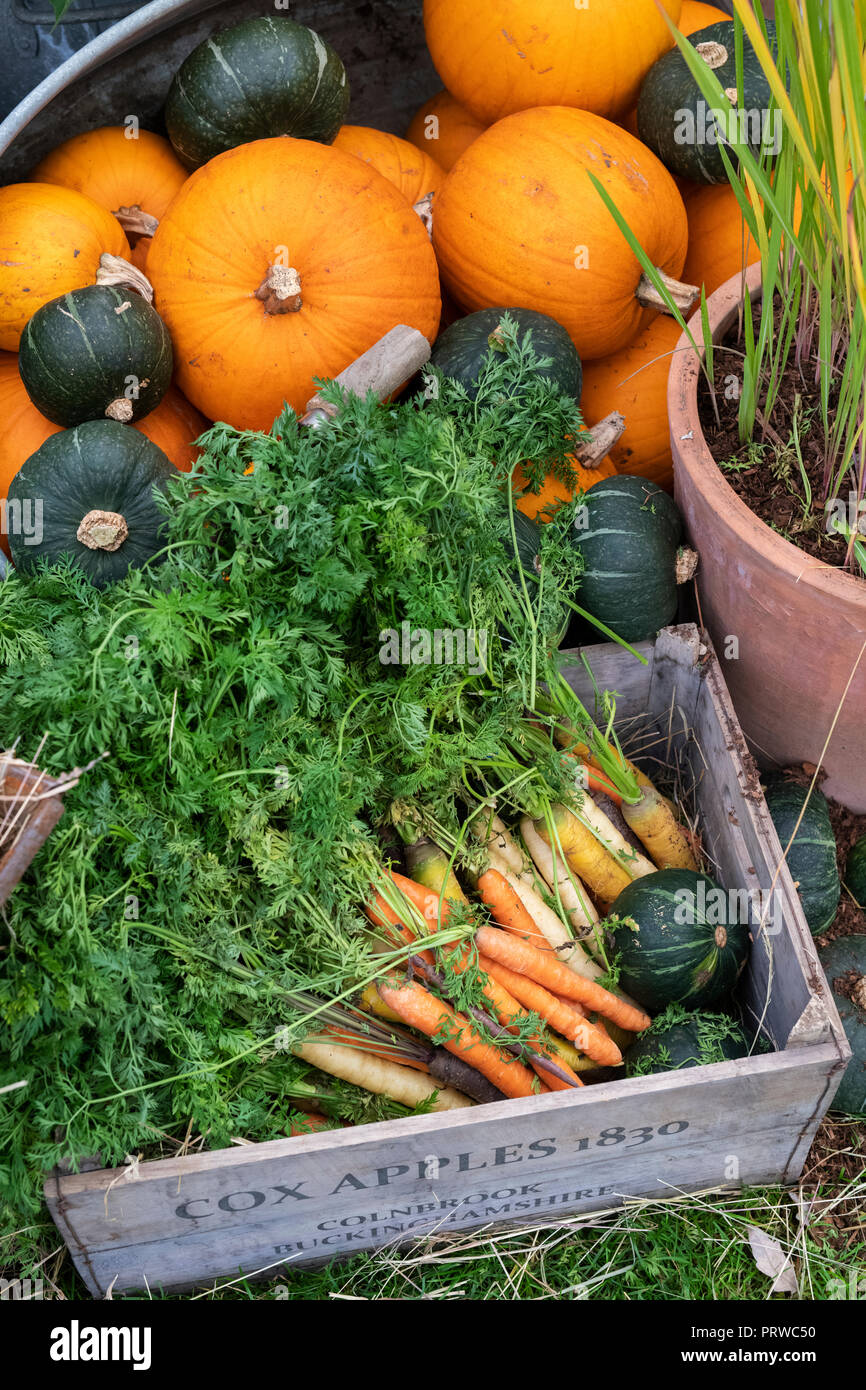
x,y
656,827
589,859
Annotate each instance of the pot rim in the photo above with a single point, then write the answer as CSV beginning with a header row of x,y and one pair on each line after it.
x,y
697,467
144,23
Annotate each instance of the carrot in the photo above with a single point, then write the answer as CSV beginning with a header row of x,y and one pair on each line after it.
x,y
370,999
593,779
656,827
381,915
507,909
493,833
566,737
565,1051
417,1007
589,859
430,866
518,956
563,883
572,953
635,864
306,1124
373,1046
432,906
587,1039
381,1077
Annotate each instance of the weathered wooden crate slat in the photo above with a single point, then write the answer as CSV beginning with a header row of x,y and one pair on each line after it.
x,y
176,1223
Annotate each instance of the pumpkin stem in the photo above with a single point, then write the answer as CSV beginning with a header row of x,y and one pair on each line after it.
x,y
602,437
687,564
714,54
280,291
114,270
424,209
120,410
135,222
683,295
102,530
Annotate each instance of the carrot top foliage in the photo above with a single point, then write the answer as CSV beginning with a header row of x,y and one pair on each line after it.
x,y
254,741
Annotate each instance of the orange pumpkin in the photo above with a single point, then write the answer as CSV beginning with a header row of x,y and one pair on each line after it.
x,y
501,56
719,242
408,168
51,239
443,129
554,490
519,222
634,381
22,428
281,261
696,15
135,178
172,426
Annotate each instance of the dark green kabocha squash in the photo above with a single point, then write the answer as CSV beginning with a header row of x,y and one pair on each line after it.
x,y
855,872
812,856
680,939
261,78
96,353
461,350
88,493
677,123
679,1038
628,532
844,962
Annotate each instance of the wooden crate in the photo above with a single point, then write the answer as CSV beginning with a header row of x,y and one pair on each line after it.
x,y
179,1222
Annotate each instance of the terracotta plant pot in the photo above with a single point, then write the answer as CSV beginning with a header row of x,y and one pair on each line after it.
x,y
788,629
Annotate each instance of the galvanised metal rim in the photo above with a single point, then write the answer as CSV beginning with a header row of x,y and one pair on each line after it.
x,y
127,33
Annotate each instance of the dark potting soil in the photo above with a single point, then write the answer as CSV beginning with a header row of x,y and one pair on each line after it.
x,y
773,491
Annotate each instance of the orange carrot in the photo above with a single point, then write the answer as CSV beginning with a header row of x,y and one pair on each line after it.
x,y
381,915
509,1012
507,909
580,1031
306,1123
429,904
417,1007
596,780
517,955
373,1046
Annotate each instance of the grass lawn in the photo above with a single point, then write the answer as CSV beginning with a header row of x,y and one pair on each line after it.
x,y
687,1247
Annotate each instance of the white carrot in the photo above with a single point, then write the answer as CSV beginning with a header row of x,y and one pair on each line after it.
x,y
378,1075
488,828
575,899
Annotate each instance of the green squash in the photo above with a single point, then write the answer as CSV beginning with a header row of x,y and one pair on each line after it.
x,y
261,78
844,961
812,856
527,534
628,532
96,353
675,121
855,872
461,350
88,493
678,1039
684,943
